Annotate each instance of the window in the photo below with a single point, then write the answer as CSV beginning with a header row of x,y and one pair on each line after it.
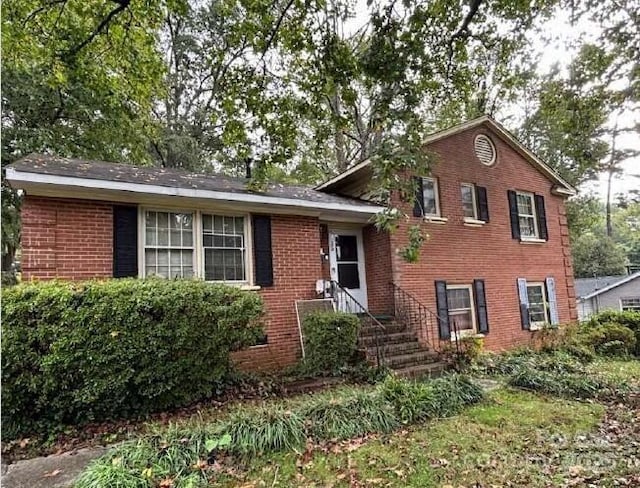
x,y
630,304
223,240
527,215
538,305
188,244
469,204
168,244
430,197
461,311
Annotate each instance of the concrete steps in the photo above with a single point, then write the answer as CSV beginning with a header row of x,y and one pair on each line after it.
x,y
400,350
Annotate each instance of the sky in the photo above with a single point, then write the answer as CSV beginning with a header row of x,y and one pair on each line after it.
x,y
565,34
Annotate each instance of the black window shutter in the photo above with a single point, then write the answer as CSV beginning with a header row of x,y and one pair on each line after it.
x,y
418,204
262,250
481,306
443,310
542,217
513,214
483,204
125,241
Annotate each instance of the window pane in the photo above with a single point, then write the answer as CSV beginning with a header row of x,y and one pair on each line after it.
x,y
150,236
467,201
458,298
527,227
169,231
461,320
429,195
347,248
163,220
348,275
525,204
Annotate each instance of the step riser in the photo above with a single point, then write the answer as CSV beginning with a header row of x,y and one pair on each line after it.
x,y
396,349
388,329
387,340
395,362
431,371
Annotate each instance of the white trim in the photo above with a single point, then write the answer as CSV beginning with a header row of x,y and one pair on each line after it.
x,y
361,294
16,176
534,215
564,189
469,222
532,240
494,157
612,286
432,219
474,203
545,303
631,307
474,330
436,196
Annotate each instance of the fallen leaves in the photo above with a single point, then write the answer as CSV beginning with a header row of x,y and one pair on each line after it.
x,y
51,474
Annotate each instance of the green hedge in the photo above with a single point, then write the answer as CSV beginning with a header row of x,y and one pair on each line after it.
x,y
78,352
612,326
330,340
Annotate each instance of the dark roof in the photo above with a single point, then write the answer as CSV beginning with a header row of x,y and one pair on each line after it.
x,y
586,286
173,178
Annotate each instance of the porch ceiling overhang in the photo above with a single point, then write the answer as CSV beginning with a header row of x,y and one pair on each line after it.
x,y
65,186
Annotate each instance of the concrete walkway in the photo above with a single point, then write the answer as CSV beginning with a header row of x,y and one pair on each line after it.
x,y
55,471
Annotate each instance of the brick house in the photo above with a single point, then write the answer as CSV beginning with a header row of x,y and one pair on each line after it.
x,y
496,263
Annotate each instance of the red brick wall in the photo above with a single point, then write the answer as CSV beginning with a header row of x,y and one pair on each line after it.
x,y
64,238
296,267
459,254
377,250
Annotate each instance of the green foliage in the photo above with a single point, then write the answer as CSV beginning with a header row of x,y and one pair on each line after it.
x,y
597,255
347,415
330,340
610,339
627,320
443,397
77,352
185,454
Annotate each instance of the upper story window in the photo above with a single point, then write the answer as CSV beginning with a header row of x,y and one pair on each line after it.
x,y
168,244
528,216
469,203
475,207
431,199
223,241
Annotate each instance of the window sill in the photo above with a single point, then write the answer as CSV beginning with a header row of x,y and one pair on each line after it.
x,y
242,286
259,346
475,335
469,222
434,219
532,240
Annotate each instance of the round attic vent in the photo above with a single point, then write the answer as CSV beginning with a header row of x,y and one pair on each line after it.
x,y
485,150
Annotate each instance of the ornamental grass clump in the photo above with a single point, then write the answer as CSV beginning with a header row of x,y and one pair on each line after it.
x,y
352,413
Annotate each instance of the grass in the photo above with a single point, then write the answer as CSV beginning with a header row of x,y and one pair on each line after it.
x,y
617,369
506,439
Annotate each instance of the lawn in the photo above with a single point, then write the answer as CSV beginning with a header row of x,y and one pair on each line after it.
x,y
512,439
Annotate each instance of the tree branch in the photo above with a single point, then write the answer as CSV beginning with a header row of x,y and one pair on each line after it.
x,y
462,32
122,5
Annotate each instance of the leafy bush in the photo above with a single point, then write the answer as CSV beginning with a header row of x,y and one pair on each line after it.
x,y
511,362
630,320
77,352
330,340
609,338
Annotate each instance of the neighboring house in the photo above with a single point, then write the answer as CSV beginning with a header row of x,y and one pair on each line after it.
x,y
607,293
496,263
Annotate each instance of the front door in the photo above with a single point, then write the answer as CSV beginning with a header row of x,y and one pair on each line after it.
x,y
346,260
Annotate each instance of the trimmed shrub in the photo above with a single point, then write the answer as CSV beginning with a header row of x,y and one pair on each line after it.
x,y
330,340
77,352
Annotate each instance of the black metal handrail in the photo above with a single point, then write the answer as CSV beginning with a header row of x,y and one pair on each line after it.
x,y
423,321
346,302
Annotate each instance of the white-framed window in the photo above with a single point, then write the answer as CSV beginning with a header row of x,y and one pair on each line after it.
x,y
462,317
630,304
186,244
469,202
168,244
538,304
223,242
430,197
527,215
